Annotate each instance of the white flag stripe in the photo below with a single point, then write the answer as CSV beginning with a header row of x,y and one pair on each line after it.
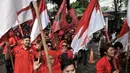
x,y
75,42
96,23
128,13
24,16
124,40
35,29
44,19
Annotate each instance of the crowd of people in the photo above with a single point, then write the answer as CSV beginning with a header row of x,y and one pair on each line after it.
x,y
23,56
113,57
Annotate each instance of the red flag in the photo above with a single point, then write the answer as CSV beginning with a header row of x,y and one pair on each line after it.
x,y
60,18
124,29
74,22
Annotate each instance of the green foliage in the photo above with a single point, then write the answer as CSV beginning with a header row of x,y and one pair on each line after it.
x,y
126,2
80,6
104,8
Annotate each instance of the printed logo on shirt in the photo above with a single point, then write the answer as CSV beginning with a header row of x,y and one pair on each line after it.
x,y
17,51
30,51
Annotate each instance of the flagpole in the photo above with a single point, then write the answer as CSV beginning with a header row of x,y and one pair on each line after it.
x,y
105,28
42,35
10,54
11,58
106,33
20,28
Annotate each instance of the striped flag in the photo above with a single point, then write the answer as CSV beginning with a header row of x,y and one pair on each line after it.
x,y
60,18
11,11
44,20
91,21
123,36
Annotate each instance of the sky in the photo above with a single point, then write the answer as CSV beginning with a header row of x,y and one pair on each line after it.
x,y
71,1
106,3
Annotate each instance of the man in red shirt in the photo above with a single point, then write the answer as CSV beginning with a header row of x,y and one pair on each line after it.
x,y
10,38
23,55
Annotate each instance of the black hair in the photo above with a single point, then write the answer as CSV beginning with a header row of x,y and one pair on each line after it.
x,y
104,48
25,36
48,42
118,44
66,63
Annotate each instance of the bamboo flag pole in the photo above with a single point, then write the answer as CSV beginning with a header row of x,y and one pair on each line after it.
x,y
11,58
10,54
20,28
106,30
42,35
106,33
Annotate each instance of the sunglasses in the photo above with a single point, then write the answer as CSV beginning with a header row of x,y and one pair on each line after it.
x,y
64,45
49,45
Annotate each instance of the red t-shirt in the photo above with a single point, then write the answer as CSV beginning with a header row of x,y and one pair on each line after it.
x,y
56,65
12,41
23,59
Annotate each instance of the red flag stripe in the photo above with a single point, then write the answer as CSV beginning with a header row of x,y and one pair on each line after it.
x,y
42,6
86,18
124,29
106,33
24,9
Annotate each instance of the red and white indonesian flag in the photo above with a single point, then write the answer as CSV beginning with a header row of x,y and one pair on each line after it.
x,y
123,36
44,20
91,21
128,13
11,11
23,9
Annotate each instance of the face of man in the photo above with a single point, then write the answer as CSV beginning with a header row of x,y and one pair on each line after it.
x,y
26,42
69,69
64,47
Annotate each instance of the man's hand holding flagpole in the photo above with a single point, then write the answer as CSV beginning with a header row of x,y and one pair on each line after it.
x,y
42,35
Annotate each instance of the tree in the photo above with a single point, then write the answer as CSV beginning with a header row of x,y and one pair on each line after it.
x,y
105,8
117,7
58,2
80,6
126,2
